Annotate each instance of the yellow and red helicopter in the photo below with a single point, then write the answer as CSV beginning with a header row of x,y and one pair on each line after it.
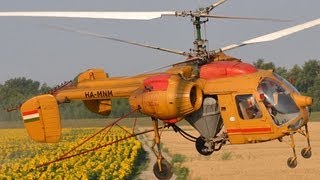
x,y
223,98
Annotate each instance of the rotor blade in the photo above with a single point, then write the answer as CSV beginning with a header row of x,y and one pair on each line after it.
x,y
92,14
188,60
118,40
244,18
209,8
272,36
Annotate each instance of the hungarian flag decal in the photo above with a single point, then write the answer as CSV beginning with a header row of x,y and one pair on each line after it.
x,y
30,116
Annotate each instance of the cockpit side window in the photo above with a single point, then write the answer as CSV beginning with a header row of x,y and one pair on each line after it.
x,y
248,107
278,101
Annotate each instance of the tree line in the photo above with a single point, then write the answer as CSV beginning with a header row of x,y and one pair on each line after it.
x,y
306,78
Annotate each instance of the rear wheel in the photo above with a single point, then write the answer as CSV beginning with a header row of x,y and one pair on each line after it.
x,y
166,170
306,153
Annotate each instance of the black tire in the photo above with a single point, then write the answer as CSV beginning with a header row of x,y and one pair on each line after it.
x,y
292,162
306,153
166,172
201,148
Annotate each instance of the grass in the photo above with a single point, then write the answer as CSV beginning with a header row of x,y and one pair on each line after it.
x,y
164,149
178,158
180,171
226,156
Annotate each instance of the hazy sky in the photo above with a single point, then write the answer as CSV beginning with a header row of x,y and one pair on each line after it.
x,y
29,48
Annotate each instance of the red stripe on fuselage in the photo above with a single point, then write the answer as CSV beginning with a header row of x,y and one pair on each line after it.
x,y
29,112
249,130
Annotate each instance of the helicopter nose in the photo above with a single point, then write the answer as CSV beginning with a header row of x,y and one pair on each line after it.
x,y
302,101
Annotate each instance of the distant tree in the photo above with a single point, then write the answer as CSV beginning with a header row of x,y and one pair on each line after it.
x,y
14,92
310,70
22,86
44,88
314,91
294,75
261,64
282,71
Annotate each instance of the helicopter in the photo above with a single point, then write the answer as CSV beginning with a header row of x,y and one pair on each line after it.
x,y
223,98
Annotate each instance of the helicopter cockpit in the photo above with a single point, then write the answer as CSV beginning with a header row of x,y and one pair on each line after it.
x,y
278,100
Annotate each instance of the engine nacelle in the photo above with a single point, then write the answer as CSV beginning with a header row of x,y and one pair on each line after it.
x,y
166,97
102,107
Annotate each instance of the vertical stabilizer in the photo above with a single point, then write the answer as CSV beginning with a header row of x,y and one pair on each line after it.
x,y
41,118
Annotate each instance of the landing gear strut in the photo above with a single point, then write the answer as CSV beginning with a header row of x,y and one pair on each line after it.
x,y
162,168
292,161
305,152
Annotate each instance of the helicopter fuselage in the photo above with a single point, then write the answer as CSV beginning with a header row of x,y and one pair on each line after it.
x,y
246,109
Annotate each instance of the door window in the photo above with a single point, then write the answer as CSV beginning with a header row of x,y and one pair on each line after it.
x,y
248,107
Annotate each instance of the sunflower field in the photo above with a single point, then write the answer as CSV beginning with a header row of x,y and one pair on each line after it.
x,y
20,156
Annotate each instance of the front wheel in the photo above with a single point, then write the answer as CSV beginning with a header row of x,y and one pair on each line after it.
x,y
202,148
166,170
292,162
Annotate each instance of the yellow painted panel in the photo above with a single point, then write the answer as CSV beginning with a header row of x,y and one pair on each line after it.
x,y
41,118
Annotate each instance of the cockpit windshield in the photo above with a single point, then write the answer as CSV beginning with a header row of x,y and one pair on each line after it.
x,y
286,83
278,101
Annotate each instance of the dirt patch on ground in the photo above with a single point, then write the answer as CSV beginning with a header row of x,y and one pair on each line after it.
x,y
249,161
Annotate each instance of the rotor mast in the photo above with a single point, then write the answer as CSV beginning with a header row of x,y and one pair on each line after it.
x,y
200,44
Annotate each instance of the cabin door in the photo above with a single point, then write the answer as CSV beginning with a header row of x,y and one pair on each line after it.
x,y
253,120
